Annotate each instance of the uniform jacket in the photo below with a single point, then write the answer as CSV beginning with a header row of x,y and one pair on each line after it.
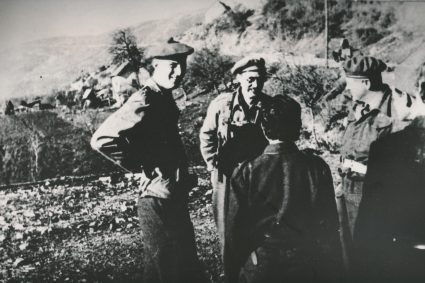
x,y
283,188
143,134
226,112
394,113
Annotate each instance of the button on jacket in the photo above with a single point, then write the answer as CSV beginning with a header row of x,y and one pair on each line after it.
x,y
143,135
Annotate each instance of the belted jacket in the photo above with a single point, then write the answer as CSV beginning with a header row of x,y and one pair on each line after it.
x,y
232,130
143,135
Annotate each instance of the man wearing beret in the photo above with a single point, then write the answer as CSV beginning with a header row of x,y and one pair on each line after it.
x,y
231,132
377,111
143,137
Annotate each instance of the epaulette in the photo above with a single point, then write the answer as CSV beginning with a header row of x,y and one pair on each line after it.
x,y
143,95
223,97
400,93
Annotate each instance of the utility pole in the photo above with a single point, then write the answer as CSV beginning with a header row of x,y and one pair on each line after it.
x,y
326,33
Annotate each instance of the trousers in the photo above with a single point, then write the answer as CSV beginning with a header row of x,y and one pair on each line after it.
x,y
220,197
168,241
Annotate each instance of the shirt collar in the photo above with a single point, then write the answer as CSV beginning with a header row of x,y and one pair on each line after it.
x,y
239,101
155,87
282,147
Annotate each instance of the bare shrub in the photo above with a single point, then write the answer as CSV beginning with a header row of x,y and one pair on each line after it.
x,y
308,85
209,71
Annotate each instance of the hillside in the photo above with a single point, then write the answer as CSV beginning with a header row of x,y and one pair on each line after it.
x,y
85,229
39,67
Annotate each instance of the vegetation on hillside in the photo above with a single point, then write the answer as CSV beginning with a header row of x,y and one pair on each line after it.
x,y
124,48
42,145
209,71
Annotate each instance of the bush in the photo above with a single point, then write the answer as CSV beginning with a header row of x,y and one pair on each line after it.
x,y
291,19
209,71
41,145
233,20
308,85
369,22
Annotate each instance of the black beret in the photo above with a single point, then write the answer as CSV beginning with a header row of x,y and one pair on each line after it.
x,y
169,50
250,63
363,66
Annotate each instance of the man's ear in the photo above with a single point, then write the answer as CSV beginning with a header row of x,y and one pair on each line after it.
x,y
367,83
154,63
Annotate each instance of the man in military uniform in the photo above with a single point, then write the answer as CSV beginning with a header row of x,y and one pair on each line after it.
x,y
282,225
143,136
377,111
231,132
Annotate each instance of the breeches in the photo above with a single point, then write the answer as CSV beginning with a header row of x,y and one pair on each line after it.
x,y
220,196
168,241
353,191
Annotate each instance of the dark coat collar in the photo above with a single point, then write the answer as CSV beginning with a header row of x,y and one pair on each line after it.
x,y
283,147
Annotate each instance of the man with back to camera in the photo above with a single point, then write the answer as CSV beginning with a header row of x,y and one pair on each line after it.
x,y
282,225
231,132
389,235
143,136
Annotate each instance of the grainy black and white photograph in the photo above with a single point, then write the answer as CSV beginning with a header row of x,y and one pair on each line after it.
x,y
217,141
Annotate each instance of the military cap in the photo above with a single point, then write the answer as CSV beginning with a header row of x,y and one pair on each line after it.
x,y
169,50
250,63
363,66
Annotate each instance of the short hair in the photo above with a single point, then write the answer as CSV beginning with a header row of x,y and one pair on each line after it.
x,y
281,119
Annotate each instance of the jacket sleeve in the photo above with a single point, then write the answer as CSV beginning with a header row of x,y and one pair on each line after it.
x,y
208,136
110,139
235,245
328,229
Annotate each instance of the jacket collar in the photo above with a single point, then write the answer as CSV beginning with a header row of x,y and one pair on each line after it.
x,y
155,87
418,122
282,147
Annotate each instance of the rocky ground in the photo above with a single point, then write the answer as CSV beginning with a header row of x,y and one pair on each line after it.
x,y
87,231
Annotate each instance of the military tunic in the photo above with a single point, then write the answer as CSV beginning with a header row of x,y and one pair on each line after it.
x,y
139,137
364,127
231,133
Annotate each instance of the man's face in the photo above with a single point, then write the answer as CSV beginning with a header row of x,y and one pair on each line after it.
x,y
358,87
251,83
168,73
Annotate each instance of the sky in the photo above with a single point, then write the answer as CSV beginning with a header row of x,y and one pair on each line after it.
x,y
27,20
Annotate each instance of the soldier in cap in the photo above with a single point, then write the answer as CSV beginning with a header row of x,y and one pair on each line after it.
x,y
231,131
143,137
377,111
282,225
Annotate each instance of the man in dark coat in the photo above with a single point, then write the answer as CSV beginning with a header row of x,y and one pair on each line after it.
x,y
282,223
143,137
390,230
